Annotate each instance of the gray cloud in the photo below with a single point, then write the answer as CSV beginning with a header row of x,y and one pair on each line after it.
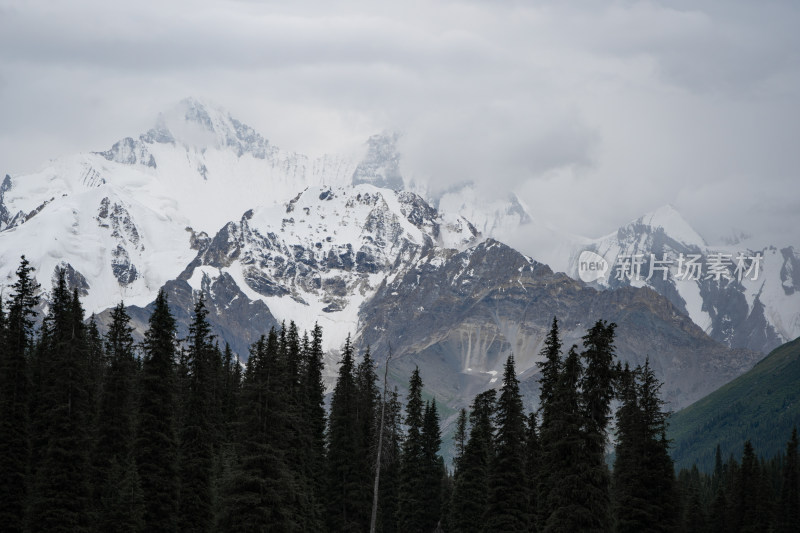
x,y
593,114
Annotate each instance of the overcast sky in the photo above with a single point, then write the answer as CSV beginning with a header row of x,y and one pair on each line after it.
x,y
593,112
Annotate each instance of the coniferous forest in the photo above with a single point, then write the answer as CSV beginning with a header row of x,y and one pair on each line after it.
x,y
99,433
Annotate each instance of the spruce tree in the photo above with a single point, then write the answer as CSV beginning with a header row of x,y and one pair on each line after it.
x,y
746,497
390,465
631,510
367,413
694,515
313,398
469,501
597,391
156,446
97,367
550,368
344,443
412,464
508,496
645,497
789,507
196,457
564,500
16,337
532,471
459,439
433,468
60,500
260,490
116,477
296,446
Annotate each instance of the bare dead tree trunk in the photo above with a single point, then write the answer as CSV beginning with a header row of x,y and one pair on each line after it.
x,y
374,520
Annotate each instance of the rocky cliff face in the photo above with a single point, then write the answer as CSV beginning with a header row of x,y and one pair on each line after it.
x,y
459,315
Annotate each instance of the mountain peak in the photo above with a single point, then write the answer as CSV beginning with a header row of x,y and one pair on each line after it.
x,y
198,123
674,225
381,165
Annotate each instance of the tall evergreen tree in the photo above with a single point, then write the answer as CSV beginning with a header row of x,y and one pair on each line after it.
x,y
508,496
597,391
459,439
645,496
532,471
231,383
563,500
789,508
412,465
550,368
367,413
16,336
61,493
196,457
116,477
631,510
433,468
313,397
751,499
260,492
156,442
345,509
469,501
296,444
390,466
96,367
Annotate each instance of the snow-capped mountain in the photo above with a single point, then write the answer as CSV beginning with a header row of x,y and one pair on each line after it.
x,y
318,257
201,203
143,206
742,296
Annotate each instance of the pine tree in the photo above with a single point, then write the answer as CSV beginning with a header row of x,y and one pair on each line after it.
x,y
631,509
97,366
156,442
563,500
433,468
260,490
344,476
390,466
694,519
532,471
15,346
550,368
469,501
367,414
412,465
789,508
116,478
508,496
313,397
459,439
746,497
597,391
196,457
645,496
446,499
61,493
121,499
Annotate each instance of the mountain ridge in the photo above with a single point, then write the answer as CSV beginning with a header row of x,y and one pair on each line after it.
x,y
276,238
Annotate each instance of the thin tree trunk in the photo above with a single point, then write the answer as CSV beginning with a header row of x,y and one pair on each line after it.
x,y
374,519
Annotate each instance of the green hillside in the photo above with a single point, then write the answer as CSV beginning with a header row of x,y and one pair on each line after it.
x,y
762,405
